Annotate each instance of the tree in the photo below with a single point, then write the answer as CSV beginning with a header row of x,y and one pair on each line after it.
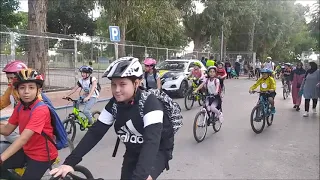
x,y
148,21
314,23
37,24
7,15
70,17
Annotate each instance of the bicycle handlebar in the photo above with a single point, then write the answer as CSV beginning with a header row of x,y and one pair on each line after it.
x,y
261,92
70,99
71,176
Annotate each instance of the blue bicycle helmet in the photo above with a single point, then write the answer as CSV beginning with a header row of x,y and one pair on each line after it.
x,y
265,70
86,69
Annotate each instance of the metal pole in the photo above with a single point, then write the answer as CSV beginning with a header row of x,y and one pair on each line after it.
x,y
167,54
75,60
116,50
145,51
221,51
13,47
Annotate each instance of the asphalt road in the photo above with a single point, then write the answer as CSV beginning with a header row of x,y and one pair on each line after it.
x,y
289,149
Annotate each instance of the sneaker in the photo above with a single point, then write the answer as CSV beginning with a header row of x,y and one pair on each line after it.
x,y
298,108
314,110
295,106
221,117
306,114
273,110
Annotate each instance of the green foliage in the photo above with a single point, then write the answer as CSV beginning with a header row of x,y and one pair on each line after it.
x,y
7,15
151,23
70,17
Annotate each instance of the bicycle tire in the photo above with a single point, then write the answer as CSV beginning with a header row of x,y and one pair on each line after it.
x,y
270,120
70,145
195,126
284,93
252,120
84,171
189,93
73,127
201,100
223,91
214,125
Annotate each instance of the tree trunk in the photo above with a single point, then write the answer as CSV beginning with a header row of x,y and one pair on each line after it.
x,y
122,47
251,37
225,43
199,43
37,24
122,21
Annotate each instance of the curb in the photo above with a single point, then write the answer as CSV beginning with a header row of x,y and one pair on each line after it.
x,y
59,108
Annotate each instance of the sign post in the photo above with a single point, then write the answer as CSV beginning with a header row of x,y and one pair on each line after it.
x,y
114,32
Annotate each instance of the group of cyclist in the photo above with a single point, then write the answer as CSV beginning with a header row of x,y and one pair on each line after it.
x,y
148,155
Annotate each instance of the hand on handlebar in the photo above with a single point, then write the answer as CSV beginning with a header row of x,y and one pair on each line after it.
x,y
62,170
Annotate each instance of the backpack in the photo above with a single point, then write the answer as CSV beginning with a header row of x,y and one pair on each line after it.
x,y
98,84
172,116
61,139
154,76
46,100
215,82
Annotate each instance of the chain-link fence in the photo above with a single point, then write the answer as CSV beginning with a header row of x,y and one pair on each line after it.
x,y
65,53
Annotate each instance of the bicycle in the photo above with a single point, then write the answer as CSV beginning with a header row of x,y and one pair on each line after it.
x,y
78,117
16,173
78,168
209,118
263,113
191,96
285,91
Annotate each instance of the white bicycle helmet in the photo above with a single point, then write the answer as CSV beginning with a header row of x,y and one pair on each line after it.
x,y
124,67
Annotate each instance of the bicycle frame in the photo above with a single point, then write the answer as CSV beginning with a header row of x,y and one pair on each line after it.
x,y
76,115
265,104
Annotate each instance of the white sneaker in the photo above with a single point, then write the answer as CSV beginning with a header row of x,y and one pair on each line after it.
x,y
306,114
314,111
221,117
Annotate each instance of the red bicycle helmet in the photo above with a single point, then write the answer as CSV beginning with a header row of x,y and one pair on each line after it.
x,y
14,67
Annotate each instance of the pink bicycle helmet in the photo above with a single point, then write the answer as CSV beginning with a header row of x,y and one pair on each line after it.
x,y
14,67
149,61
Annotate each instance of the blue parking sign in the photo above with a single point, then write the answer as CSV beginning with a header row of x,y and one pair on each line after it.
x,y
114,32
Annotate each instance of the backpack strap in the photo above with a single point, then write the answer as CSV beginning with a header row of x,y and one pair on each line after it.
x,y
155,75
146,79
19,107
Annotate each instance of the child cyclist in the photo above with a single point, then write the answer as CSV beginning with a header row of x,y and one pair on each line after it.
x,y
89,86
221,73
10,97
29,149
267,84
197,73
147,154
213,100
151,76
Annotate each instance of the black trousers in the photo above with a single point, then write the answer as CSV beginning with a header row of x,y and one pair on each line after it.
x,y
34,169
307,104
129,165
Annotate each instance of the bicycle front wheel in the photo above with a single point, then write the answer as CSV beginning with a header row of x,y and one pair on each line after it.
x,y
223,91
257,117
189,100
70,127
82,172
285,91
200,122
269,119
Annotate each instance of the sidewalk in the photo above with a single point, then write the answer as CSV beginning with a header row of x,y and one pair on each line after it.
x,y
56,98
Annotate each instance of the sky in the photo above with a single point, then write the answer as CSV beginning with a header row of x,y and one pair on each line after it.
x,y
199,8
